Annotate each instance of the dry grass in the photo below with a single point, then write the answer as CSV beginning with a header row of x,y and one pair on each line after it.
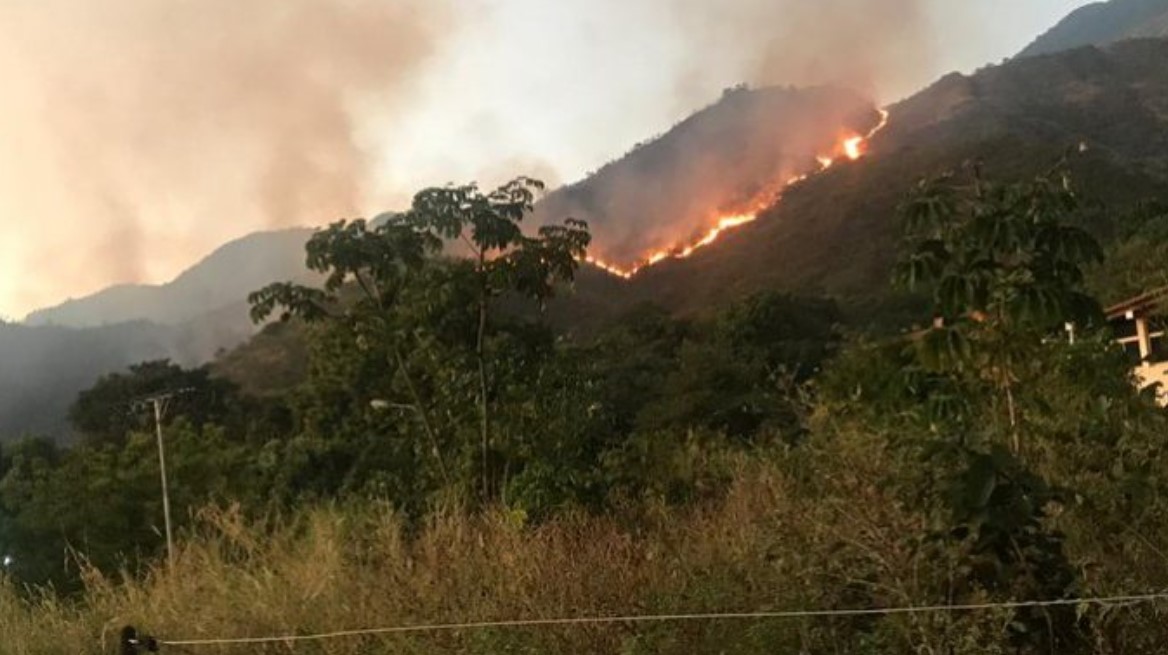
x,y
771,543
335,568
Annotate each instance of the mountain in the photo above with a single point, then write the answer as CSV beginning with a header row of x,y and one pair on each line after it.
x,y
43,368
1102,110
222,279
1103,23
61,351
723,160
836,233
724,152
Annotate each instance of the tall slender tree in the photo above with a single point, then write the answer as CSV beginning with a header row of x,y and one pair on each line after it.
x,y
505,259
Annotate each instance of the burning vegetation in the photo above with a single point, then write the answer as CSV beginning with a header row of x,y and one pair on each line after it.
x,y
728,160
851,148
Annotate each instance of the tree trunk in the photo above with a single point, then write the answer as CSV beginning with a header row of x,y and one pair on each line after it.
x,y
423,415
1015,440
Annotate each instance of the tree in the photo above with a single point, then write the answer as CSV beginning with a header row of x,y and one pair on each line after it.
x,y
505,260
1006,266
100,503
387,287
106,412
367,271
742,373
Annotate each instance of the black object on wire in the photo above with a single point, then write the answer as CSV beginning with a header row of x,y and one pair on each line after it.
x,y
134,644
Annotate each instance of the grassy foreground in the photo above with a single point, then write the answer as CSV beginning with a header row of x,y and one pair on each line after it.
x,y
776,540
355,567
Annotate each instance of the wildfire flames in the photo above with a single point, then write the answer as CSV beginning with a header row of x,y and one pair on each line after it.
x,y
851,148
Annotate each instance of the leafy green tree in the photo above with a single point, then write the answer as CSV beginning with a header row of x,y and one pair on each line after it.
x,y
968,404
414,320
368,270
101,504
107,412
1006,266
743,372
505,259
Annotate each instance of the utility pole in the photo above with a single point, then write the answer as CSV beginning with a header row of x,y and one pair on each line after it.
x,y
158,403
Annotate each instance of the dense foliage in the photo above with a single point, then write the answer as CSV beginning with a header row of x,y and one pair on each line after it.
x,y
446,455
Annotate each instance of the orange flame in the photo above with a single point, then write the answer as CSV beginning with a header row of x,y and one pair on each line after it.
x,y
852,147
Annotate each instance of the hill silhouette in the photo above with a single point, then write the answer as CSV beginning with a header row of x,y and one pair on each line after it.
x,y
60,351
221,280
43,368
1103,23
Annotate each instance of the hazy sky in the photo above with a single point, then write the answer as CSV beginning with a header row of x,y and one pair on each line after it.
x,y
138,135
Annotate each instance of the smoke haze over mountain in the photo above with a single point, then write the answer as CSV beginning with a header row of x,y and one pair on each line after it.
x,y
879,47
733,161
732,158
137,133
136,136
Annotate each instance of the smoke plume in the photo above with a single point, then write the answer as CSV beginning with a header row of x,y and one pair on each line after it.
x,y
731,158
878,47
135,134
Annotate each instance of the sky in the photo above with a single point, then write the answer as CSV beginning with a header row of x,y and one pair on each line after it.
x,y
136,136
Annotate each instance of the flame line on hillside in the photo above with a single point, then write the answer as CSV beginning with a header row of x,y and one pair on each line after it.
x,y
852,148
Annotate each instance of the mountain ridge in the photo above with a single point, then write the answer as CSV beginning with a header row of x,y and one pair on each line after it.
x,y
45,367
721,160
835,233
220,279
1103,23
274,255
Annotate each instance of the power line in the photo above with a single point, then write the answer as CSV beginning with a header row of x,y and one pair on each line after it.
x,y
670,618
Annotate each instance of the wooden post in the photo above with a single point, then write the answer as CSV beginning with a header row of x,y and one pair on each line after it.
x,y
1144,339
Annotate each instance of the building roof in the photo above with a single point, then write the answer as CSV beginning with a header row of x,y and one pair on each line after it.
x,y
1140,304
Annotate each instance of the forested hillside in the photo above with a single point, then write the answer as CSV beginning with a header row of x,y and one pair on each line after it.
x,y
1104,110
42,369
1101,111
1103,23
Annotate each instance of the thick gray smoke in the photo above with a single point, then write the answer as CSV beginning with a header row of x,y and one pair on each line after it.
x,y
671,193
731,158
877,47
726,160
138,134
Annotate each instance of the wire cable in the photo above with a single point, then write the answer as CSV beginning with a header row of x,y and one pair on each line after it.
x,y
664,618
